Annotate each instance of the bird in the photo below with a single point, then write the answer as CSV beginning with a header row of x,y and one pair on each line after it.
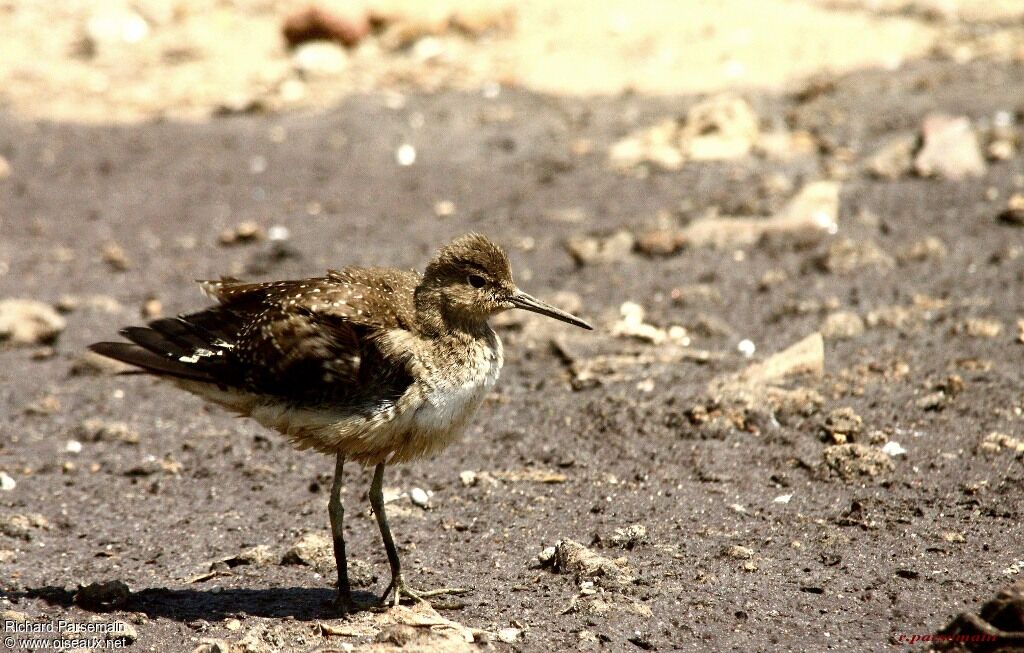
x,y
374,365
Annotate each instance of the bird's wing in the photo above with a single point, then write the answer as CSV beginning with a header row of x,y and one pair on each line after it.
x,y
307,340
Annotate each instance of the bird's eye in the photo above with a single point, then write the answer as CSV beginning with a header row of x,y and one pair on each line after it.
x,y
476,281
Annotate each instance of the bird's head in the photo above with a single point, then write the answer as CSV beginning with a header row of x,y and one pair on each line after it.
x,y
469,280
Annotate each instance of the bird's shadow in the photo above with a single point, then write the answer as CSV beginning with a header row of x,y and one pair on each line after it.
x,y
187,605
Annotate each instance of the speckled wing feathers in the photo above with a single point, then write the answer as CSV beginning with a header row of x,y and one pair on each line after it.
x,y
305,341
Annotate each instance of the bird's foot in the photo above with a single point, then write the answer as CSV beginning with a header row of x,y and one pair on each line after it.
x,y
343,604
397,589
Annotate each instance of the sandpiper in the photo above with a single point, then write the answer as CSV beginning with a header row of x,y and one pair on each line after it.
x,y
374,365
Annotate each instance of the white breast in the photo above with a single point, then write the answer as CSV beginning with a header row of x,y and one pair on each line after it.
x,y
451,399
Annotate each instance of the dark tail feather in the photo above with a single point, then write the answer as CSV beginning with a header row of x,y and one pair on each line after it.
x,y
138,355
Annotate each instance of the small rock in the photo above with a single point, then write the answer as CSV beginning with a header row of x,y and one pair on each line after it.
x,y
6,482
632,325
259,555
696,294
842,325
252,643
720,128
317,24
98,430
112,26
739,552
152,308
209,645
109,595
982,328
1020,331
509,635
996,441
28,322
855,459
319,58
1013,214
244,232
842,425
894,159
660,242
47,405
629,537
444,208
589,250
405,155
929,249
468,478
115,258
234,625
5,168
847,256
419,497
933,401
574,558
949,149
893,448
313,550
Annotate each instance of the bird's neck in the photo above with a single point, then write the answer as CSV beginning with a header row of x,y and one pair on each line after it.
x,y
435,319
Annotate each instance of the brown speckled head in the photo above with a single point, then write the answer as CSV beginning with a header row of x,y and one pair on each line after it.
x,y
469,280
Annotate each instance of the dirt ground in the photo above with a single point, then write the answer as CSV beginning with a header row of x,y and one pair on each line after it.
x,y
871,495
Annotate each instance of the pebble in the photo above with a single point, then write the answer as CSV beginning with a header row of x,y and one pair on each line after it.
x,y
854,459
739,552
73,446
468,478
894,159
846,256
233,625
243,232
982,327
405,155
419,497
629,537
98,430
29,322
893,448
1013,214
115,25
927,249
509,635
115,258
842,425
210,645
746,347
319,58
6,482
5,168
949,149
842,325
595,250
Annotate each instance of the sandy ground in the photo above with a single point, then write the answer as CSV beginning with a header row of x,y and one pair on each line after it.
x,y
848,496
89,61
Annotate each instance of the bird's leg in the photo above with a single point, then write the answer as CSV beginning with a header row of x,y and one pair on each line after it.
x,y
337,511
397,586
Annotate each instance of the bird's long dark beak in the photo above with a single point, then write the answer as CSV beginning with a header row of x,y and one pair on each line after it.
x,y
526,302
